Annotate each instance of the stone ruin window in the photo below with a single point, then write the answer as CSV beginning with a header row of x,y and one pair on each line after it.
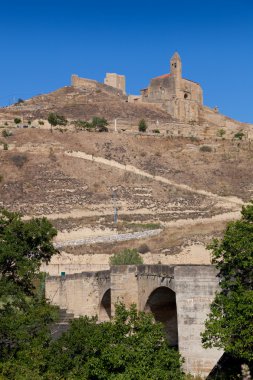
x,y
185,96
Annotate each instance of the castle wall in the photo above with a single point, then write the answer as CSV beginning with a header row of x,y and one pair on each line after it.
x,y
76,81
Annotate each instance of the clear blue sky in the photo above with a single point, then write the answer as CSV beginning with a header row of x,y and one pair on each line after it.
x,y
43,42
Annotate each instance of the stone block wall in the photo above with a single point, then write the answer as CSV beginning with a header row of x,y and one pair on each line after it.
x,y
178,295
116,81
195,287
76,81
79,293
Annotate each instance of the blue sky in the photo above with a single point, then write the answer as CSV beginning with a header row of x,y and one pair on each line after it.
x,y
44,42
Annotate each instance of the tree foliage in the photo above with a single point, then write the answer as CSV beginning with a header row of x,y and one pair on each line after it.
x,y
230,323
54,119
130,347
98,124
25,315
23,247
126,257
17,120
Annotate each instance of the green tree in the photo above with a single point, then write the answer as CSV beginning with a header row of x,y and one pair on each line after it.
x,y
130,347
25,316
23,247
142,126
126,257
230,322
54,119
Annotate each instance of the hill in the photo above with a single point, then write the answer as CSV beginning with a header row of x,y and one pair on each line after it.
x,y
84,103
171,184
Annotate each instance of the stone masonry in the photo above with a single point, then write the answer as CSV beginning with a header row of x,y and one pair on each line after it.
x,y
116,81
178,295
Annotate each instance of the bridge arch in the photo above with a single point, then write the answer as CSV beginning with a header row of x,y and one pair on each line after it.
x,y
162,304
105,307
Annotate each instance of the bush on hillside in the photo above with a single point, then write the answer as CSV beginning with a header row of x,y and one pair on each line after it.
x,y
142,126
126,257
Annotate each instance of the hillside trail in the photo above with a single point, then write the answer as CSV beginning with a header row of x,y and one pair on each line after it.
x,y
133,169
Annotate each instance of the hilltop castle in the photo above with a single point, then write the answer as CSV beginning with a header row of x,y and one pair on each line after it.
x,y
181,98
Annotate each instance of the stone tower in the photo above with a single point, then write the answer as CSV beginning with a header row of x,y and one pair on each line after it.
x,y
176,66
116,81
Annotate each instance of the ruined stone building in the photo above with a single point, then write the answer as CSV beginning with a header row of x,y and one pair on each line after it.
x,y
178,96
116,81
181,98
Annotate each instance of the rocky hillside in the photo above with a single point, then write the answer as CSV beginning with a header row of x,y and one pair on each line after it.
x,y
84,103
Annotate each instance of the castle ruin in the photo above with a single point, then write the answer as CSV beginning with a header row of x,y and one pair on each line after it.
x,y
181,98
116,81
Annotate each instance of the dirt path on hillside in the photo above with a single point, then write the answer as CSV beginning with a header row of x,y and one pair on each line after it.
x,y
132,169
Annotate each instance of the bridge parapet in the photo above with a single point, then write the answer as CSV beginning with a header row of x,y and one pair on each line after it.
x,y
79,293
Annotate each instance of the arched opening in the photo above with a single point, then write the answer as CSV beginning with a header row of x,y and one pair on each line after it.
x,y
162,304
105,307
185,96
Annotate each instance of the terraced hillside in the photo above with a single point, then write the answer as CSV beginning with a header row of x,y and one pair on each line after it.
x,y
168,184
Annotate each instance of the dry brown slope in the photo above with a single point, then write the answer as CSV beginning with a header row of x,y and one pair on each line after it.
x,y
84,103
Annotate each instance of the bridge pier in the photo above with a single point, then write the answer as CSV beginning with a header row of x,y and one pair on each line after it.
x,y
183,308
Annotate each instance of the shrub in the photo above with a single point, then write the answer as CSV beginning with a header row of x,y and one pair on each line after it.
x,y
205,148
142,126
99,123
17,120
156,131
41,122
126,257
6,133
6,146
102,129
239,135
19,160
143,248
221,132
55,119
6,123
194,138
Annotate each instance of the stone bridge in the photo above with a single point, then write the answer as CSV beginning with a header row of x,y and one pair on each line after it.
x,y
178,295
